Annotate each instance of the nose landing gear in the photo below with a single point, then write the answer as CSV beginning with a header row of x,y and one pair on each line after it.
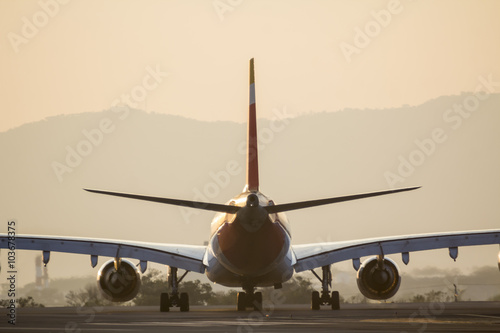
x,y
249,299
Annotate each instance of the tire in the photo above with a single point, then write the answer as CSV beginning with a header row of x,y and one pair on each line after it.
x,y
257,301
315,300
335,301
164,302
184,302
242,299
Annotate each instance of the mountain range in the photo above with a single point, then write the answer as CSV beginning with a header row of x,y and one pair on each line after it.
x,y
454,155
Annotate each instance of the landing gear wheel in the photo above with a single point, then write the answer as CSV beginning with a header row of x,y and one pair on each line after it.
x,y
242,301
335,300
164,302
184,302
257,301
315,301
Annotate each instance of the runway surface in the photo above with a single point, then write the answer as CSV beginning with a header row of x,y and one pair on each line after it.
x,y
414,317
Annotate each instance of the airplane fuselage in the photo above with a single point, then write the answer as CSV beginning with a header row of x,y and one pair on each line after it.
x,y
250,247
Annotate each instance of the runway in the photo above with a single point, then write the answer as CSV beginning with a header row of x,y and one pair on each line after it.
x,y
414,317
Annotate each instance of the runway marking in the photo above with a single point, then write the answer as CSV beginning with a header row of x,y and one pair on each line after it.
x,y
417,320
59,329
477,315
215,322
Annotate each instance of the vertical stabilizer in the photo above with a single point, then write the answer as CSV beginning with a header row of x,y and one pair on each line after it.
x,y
252,150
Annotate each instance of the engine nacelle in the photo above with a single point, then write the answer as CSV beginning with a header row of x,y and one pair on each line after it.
x,y
120,285
378,281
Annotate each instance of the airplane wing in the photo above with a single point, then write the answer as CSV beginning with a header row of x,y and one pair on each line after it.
x,y
310,256
188,257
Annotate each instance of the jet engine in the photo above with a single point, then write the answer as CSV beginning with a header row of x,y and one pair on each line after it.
x,y
378,278
119,280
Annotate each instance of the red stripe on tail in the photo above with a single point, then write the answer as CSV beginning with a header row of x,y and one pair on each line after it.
x,y
252,151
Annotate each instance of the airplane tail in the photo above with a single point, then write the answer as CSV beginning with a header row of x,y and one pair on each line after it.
x,y
252,177
252,150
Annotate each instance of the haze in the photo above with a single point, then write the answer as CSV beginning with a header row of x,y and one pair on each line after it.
x,y
92,52
190,59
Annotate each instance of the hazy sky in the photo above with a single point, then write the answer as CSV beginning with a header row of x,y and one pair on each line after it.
x,y
190,58
310,55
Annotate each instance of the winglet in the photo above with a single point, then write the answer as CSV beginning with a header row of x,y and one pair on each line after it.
x,y
252,151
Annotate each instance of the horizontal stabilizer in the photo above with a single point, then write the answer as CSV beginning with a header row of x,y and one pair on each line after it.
x,y
176,202
234,209
313,203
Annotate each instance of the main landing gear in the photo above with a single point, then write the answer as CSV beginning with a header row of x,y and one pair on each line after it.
x,y
249,298
325,298
174,299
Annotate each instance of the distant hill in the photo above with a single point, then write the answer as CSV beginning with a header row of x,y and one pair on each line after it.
x,y
46,164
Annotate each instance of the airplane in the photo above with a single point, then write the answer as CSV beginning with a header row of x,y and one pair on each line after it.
x,y
250,246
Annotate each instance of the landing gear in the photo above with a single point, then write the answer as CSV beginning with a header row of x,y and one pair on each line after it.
x,y
164,302
315,300
184,302
174,299
257,301
325,299
249,299
335,300
242,301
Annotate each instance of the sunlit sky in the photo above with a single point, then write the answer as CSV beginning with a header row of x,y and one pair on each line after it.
x,y
190,58
84,55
